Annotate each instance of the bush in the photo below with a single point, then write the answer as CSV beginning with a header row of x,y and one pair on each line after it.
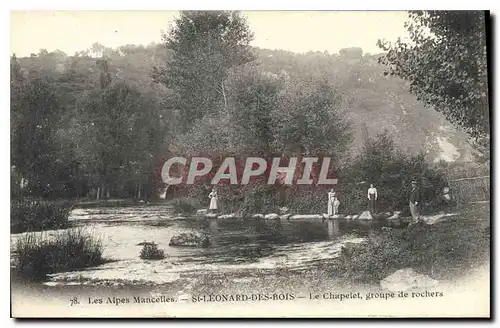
x,y
37,255
151,252
391,171
443,250
38,215
185,206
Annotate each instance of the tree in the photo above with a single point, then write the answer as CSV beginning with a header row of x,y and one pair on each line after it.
x,y
445,62
120,134
35,118
205,44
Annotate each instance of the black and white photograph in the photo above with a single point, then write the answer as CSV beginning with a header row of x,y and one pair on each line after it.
x,y
250,164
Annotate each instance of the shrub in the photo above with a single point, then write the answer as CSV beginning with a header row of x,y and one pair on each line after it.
x,y
38,215
442,250
38,254
391,171
185,206
151,252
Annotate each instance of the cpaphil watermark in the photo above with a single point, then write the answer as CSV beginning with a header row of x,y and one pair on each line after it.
x,y
305,171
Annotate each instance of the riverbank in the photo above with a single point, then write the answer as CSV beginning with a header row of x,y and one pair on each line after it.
x,y
265,256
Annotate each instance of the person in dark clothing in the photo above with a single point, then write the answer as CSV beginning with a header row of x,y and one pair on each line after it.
x,y
414,201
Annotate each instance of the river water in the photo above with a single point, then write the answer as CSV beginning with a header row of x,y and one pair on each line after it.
x,y
240,248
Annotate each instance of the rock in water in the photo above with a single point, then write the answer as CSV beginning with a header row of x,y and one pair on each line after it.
x,y
406,279
365,216
285,216
272,216
227,216
394,217
190,239
201,212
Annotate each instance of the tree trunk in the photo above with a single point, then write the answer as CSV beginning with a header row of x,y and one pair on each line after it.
x,y
98,191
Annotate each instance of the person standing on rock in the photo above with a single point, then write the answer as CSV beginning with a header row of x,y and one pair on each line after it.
x,y
213,200
331,199
414,201
336,204
372,198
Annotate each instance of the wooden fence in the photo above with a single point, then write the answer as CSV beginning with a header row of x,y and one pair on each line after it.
x,y
467,190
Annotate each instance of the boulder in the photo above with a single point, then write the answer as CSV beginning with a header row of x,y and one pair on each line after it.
x,y
258,216
202,212
271,216
382,216
354,217
365,216
211,215
406,279
190,239
348,217
285,216
395,216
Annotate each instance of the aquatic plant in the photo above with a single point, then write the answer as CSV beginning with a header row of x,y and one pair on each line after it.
x,y
152,252
39,254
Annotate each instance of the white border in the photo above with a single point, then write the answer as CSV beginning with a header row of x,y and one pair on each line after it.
x,y
7,6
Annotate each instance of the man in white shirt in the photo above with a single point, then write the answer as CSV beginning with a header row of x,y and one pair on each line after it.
x,y
372,198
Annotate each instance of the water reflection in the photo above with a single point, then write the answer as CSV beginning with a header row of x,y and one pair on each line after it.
x,y
333,229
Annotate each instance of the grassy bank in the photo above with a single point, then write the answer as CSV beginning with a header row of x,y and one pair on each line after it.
x,y
39,254
444,250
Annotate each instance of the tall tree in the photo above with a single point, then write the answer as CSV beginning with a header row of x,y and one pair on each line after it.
x,y
205,44
35,117
445,62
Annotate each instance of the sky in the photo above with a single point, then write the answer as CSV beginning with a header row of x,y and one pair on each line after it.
x,y
297,31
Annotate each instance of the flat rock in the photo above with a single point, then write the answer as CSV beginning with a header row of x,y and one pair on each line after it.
x,y
258,216
285,216
306,216
433,219
271,216
190,239
407,279
211,215
228,216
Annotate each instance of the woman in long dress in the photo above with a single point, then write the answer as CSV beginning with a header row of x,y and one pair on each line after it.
x,y
372,198
213,200
331,198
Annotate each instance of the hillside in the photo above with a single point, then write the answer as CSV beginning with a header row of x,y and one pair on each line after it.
x,y
373,102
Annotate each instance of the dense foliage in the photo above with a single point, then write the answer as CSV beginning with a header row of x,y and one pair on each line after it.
x,y
38,215
98,124
446,63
